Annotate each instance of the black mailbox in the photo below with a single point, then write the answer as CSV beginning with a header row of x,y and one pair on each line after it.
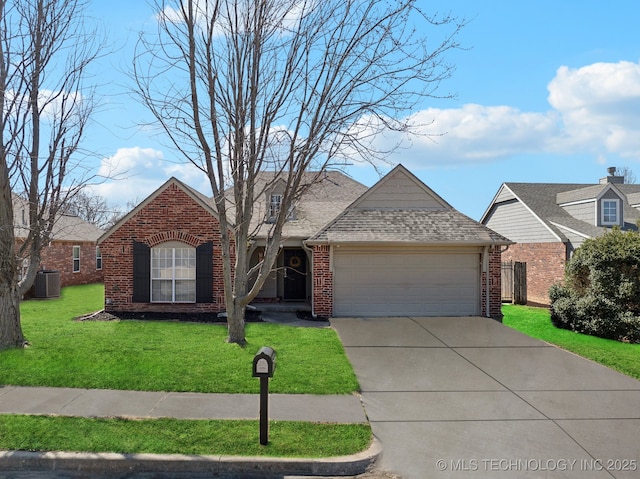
x,y
264,363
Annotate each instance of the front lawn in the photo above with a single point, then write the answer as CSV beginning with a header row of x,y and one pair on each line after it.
x,y
170,356
536,322
172,436
165,355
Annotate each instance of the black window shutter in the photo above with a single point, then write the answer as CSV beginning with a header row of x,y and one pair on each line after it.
x,y
141,273
204,273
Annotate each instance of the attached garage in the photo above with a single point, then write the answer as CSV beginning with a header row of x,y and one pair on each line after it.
x,y
406,282
402,250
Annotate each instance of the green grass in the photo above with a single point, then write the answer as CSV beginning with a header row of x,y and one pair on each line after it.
x,y
171,436
170,356
536,322
166,356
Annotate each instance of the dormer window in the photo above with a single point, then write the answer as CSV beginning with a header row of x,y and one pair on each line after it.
x,y
275,204
610,212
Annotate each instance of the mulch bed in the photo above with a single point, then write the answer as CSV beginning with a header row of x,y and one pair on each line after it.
x,y
307,315
253,316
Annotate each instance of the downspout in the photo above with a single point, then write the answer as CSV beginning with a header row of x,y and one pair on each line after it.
x,y
487,280
313,289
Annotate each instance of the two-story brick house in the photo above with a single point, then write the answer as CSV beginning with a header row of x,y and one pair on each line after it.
x,y
394,249
548,221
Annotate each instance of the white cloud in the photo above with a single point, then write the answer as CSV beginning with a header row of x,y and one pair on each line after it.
x,y
600,106
130,161
594,110
232,17
478,132
597,84
132,174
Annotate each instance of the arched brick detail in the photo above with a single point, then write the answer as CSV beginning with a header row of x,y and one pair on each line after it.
x,y
171,215
165,236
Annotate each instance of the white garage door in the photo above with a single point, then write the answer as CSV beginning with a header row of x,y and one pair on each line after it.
x,y
417,283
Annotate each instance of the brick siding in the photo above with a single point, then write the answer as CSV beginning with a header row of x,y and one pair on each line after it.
x,y
545,266
171,216
322,281
59,256
495,285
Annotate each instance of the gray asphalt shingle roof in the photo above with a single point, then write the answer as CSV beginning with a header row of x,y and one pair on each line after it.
x,y
73,228
543,198
407,226
422,217
322,201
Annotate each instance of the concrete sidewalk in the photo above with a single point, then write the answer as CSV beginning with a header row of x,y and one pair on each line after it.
x,y
139,404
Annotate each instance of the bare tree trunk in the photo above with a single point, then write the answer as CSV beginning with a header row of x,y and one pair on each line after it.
x,y
10,329
235,322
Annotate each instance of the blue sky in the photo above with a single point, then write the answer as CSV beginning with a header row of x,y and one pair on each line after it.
x,y
545,91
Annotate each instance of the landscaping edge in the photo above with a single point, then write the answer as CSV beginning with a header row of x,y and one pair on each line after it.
x,y
96,463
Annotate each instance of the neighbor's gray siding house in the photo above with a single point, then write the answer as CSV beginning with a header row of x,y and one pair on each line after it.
x,y
548,221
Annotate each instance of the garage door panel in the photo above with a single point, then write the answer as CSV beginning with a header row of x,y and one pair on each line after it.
x,y
406,283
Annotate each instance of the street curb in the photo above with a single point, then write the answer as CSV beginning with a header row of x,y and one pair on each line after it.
x,y
169,463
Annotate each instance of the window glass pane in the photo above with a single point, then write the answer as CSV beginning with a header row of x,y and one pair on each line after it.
x,y
173,274
185,263
186,291
274,207
161,291
162,263
610,211
76,259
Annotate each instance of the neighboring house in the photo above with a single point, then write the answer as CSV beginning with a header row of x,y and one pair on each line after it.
x,y
394,249
73,250
548,221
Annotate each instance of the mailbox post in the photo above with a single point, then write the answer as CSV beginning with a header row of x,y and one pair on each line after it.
x,y
264,363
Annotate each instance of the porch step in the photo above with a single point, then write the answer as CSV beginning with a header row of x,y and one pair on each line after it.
x,y
288,307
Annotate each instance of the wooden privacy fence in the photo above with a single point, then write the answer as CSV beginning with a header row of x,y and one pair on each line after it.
x,y
514,282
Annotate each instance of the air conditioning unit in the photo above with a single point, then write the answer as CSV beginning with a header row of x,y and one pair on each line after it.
x,y
47,284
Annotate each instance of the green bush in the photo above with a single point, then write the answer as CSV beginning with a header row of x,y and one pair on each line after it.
x,y
600,294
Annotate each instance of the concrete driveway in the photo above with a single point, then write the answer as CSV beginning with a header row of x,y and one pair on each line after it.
x,y
472,398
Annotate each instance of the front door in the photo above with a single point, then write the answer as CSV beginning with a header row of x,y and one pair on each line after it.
x,y
295,275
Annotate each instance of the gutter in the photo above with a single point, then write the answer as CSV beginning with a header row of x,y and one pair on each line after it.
x,y
409,243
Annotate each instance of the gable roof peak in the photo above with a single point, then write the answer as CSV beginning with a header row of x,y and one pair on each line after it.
x,y
400,190
198,197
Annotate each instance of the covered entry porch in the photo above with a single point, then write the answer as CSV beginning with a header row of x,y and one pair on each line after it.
x,y
289,283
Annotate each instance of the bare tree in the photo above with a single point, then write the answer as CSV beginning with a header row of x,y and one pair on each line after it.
x,y
288,86
93,209
45,52
627,173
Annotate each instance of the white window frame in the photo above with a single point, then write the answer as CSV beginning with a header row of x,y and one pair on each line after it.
x,y
164,258
603,215
275,203
98,258
76,259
